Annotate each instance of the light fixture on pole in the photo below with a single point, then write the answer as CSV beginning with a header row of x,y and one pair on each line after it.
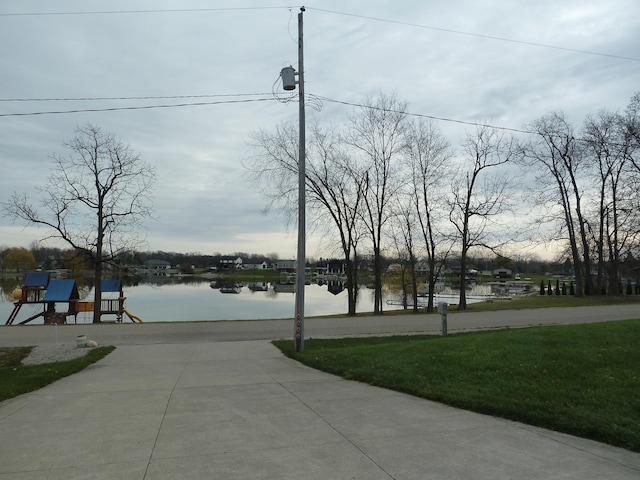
x,y
289,83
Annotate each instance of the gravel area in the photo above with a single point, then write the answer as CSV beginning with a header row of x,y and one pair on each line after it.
x,y
48,353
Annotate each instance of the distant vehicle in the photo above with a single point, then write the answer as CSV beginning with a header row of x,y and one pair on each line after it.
x,y
517,277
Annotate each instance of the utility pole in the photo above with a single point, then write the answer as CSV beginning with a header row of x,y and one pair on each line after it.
x,y
300,276
288,81
299,328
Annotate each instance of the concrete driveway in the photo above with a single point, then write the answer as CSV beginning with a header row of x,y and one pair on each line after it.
x,y
217,400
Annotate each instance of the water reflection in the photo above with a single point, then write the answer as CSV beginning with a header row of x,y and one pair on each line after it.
x,y
171,298
164,298
232,300
235,287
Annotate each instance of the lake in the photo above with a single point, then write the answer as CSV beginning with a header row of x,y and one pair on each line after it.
x,y
169,299
176,299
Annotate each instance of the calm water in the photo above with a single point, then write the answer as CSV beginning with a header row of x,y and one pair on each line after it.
x,y
168,300
171,299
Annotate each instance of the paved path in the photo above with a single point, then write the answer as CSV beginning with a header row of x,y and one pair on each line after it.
x,y
222,331
192,401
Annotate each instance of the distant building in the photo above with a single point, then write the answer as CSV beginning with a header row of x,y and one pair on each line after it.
x,y
285,266
256,265
502,273
157,264
335,267
230,263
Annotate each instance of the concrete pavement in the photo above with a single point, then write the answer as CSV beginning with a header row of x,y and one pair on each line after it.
x,y
165,406
225,331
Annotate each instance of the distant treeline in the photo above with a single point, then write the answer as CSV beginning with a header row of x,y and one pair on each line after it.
x,y
49,258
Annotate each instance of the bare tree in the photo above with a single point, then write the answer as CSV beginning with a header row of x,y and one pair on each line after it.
x,y
94,200
338,190
334,187
557,157
402,233
377,132
478,198
631,122
427,156
611,151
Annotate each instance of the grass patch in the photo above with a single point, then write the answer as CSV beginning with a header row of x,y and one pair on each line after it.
x,y
16,379
583,380
546,301
520,303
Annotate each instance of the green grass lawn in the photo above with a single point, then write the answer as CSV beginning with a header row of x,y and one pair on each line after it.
x,y
522,302
16,379
546,301
579,379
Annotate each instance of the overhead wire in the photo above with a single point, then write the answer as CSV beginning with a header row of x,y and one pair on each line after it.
x,y
323,10
273,96
420,115
314,101
450,120
148,97
478,35
140,107
126,12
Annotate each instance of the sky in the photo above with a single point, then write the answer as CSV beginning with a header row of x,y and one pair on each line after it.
x,y
503,62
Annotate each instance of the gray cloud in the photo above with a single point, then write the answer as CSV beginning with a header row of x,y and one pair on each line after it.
x,y
203,201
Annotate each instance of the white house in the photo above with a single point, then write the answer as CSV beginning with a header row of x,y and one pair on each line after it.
x,y
502,273
285,266
255,266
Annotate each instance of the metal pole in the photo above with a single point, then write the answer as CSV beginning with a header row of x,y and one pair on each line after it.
x,y
301,264
443,308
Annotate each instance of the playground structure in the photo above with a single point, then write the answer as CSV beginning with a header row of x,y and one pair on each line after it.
x,y
39,289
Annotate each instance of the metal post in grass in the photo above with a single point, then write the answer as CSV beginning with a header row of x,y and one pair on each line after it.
x,y
443,309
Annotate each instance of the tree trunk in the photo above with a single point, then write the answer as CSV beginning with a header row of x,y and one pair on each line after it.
x,y
352,286
462,303
414,284
432,283
97,289
377,281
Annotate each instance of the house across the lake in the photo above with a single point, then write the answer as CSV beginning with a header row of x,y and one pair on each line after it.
x,y
157,264
502,273
287,266
227,263
255,265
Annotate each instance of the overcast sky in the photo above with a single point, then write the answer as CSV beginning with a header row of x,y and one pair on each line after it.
x,y
506,62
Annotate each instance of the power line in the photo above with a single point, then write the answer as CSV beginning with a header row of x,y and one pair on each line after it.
x,y
142,107
420,115
451,120
225,102
271,98
126,12
174,105
334,12
170,97
479,35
